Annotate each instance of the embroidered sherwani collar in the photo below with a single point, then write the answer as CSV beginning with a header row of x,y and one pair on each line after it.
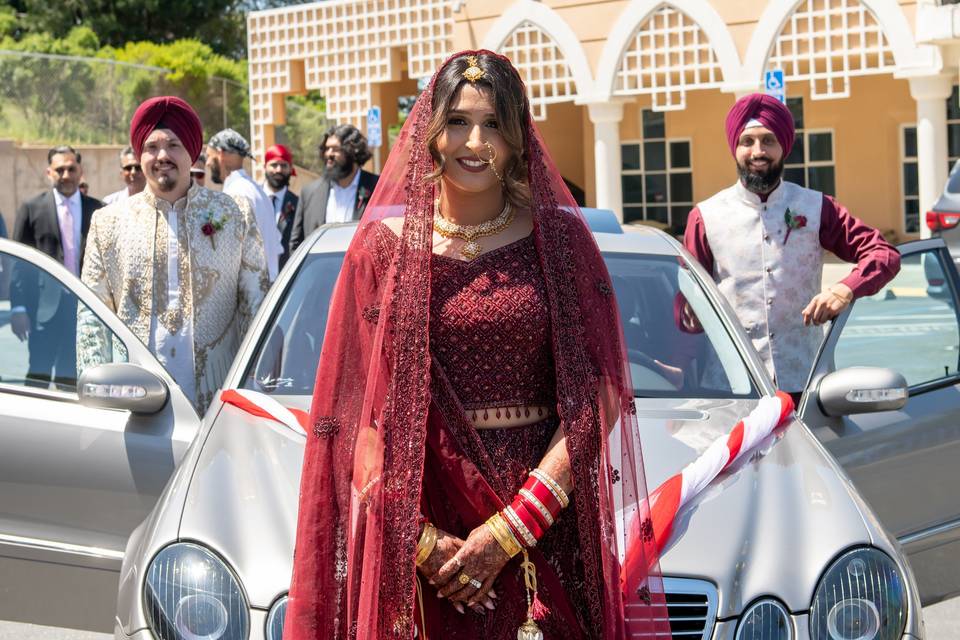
x,y
165,206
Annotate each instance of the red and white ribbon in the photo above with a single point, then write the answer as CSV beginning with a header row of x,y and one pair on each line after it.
x,y
262,405
671,496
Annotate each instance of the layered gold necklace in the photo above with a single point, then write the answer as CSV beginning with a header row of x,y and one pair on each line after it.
x,y
469,233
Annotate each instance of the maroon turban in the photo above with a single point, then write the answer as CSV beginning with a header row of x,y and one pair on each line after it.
x,y
278,151
173,114
768,111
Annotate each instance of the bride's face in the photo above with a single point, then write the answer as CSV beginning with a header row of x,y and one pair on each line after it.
x,y
470,139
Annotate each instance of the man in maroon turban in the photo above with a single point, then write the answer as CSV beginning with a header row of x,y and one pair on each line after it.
x,y
763,238
278,169
183,266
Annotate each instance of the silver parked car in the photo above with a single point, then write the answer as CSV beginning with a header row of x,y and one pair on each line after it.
x,y
787,545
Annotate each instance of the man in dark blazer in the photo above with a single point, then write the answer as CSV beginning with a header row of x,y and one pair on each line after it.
x,y
343,192
42,312
278,169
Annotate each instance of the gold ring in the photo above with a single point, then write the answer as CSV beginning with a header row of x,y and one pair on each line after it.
x,y
464,579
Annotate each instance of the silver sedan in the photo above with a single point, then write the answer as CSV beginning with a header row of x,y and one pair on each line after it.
x,y
117,481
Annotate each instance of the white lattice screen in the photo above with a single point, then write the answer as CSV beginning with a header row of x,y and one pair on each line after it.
x,y
541,65
340,47
827,42
668,55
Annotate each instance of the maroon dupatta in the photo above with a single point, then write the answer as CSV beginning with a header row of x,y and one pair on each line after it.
x,y
382,422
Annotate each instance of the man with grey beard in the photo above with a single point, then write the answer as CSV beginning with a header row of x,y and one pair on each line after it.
x,y
181,265
341,195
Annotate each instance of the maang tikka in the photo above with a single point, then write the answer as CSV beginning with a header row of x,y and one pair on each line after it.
x,y
473,72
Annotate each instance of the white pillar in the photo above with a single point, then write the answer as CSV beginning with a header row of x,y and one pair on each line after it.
x,y
606,117
931,93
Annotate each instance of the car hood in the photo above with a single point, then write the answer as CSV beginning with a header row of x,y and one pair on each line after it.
x,y
769,526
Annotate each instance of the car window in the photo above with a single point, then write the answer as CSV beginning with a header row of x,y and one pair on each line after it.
x,y
953,183
45,330
676,343
909,326
286,361
665,360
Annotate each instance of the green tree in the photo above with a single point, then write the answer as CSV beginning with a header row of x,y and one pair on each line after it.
x,y
220,23
72,90
306,124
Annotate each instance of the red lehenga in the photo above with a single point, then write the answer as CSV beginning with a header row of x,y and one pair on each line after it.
x,y
532,323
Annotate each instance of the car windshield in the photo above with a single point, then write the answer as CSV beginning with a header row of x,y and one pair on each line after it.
x,y
676,343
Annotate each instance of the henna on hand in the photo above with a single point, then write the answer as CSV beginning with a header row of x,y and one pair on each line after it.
x,y
481,558
445,550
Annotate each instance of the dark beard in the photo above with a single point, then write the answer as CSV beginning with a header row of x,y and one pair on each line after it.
x,y
760,182
278,181
215,173
338,171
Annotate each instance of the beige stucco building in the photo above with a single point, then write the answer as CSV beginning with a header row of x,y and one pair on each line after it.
x,y
631,94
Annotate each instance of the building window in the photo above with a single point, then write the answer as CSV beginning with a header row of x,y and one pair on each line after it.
x,y
908,160
953,127
657,176
911,190
811,161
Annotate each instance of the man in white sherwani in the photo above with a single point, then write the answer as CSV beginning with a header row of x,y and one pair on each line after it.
x,y
183,266
763,240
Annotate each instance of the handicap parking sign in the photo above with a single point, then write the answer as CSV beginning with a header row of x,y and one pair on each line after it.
x,y
774,85
374,127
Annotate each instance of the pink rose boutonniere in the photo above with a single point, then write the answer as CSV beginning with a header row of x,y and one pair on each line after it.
x,y
794,221
211,225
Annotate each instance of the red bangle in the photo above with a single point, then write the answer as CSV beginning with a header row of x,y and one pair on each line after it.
x,y
543,493
521,501
528,518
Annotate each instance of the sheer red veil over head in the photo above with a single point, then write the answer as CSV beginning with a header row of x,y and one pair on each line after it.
x,y
389,435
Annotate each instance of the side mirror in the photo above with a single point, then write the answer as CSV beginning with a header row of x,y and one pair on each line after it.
x,y
862,390
123,386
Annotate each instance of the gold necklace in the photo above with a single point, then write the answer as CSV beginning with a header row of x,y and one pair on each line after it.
x,y
469,233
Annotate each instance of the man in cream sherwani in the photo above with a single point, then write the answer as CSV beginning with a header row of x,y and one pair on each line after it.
x,y
183,266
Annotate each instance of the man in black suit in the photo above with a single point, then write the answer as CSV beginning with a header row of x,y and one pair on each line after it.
x,y
54,222
278,168
342,193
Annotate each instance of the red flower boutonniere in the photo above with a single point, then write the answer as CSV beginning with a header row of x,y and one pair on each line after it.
x,y
288,208
794,221
211,225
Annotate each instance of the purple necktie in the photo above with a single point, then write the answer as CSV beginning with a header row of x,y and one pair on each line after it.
x,y
68,239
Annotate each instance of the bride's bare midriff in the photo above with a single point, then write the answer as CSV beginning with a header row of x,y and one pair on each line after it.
x,y
518,416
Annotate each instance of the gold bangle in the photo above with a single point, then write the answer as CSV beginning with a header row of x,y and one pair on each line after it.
x,y
553,485
519,527
428,540
535,501
501,532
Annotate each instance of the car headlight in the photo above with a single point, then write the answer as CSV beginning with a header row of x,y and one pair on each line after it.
x,y
275,619
765,620
862,596
191,594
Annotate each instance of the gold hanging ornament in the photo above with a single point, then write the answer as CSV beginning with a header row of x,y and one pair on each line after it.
x,y
529,630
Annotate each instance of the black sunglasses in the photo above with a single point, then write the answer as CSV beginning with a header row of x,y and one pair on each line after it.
x,y
132,167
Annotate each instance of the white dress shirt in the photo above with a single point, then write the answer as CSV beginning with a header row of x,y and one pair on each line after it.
x,y
238,183
276,198
341,201
76,209
117,196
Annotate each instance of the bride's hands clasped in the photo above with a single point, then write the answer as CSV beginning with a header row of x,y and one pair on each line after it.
x,y
468,574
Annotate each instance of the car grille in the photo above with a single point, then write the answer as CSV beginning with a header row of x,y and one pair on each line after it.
x,y
692,607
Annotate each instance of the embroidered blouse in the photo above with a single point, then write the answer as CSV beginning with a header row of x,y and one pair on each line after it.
x,y
490,327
